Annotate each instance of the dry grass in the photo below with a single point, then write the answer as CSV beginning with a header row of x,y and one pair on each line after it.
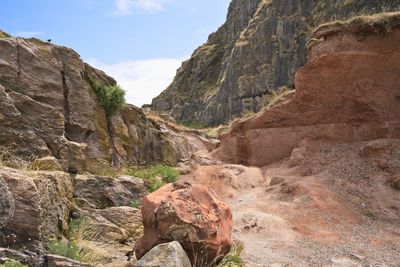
x,y
278,96
9,159
232,259
383,21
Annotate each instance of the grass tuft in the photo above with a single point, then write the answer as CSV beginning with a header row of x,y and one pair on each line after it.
x,y
278,96
77,246
234,257
137,203
156,176
12,263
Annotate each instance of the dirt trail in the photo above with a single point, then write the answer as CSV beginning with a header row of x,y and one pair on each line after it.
x,y
330,206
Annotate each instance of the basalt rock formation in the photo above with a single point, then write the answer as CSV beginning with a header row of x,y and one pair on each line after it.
x,y
48,108
257,50
349,91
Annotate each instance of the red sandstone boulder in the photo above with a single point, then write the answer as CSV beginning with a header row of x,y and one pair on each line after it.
x,y
190,214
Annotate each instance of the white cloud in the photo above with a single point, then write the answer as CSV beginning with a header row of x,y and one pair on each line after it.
x,y
142,79
28,34
124,7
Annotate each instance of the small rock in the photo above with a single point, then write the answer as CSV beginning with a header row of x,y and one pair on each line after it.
x,y
276,180
165,255
58,261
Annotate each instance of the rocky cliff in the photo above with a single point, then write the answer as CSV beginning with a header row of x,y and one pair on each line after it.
x,y
347,92
257,50
48,108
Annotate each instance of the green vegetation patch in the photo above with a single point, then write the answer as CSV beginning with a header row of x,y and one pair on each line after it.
x,y
156,176
70,249
12,263
234,257
111,97
77,247
194,124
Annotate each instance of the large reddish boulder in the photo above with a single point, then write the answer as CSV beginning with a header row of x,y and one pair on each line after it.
x,y
192,215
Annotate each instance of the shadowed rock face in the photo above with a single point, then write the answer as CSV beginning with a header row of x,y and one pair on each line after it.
x,y
47,108
257,50
348,91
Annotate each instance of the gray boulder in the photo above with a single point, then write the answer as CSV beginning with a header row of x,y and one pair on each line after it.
x,y
165,255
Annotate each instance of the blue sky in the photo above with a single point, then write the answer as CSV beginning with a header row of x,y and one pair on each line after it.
x,y
141,43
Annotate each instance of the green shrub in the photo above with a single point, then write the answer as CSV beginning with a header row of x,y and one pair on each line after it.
x,y
12,263
153,173
194,124
111,97
167,173
137,203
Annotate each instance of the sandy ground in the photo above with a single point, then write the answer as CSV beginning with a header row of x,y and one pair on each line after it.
x,y
329,204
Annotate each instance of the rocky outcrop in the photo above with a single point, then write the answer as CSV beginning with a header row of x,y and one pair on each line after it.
x,y
35,208
48,108
190,214
257,50
348,91
165,255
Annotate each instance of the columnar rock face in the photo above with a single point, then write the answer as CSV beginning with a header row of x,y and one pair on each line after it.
x,y
190,214
47,108
348,91
257,50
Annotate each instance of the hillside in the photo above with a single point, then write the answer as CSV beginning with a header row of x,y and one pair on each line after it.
x,y
312,180
256,51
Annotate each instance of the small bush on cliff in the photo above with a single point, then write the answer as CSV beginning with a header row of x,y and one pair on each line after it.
x,y
111,97
157,175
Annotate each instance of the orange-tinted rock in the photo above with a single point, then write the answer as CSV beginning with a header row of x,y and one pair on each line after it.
x,y
348,91
190,214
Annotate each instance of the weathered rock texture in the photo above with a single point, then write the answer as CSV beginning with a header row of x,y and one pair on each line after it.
x,y
47,108
348,91
258,49
190,214
36,207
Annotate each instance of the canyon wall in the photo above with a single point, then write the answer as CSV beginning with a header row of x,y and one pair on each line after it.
x,y
257,50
